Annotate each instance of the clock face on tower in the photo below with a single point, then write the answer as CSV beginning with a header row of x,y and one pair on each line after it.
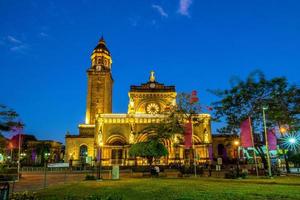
x,y
152,108
152,85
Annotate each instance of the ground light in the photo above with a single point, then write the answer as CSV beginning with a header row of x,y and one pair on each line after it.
x,y
291,141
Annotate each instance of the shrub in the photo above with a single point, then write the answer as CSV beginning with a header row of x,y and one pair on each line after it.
x,y
90,177
24,196
190,169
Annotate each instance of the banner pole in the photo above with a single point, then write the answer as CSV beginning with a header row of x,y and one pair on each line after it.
x,y
254,154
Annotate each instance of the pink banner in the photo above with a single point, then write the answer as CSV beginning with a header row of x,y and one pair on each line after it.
x,y
246,140
188,135
272,140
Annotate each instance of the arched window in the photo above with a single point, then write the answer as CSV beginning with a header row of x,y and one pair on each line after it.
x,y
83,151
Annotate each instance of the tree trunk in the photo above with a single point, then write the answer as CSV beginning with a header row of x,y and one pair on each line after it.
x,y
263,158
286,163
150,160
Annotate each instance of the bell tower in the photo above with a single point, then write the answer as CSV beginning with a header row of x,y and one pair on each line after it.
x,y
100,83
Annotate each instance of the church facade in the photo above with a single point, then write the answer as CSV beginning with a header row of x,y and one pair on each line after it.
x,y
107,136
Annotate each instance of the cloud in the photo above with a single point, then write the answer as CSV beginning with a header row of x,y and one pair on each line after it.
x,y
43,34
134,21
15,45
184,6
160,10
13,40
19,48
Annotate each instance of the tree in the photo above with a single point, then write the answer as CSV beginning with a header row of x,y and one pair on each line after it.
x,y
172,125
284,106
7,119
150,150
295,159
247,98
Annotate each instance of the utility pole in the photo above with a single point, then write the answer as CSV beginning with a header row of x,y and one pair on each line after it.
x,y
267,143
19,130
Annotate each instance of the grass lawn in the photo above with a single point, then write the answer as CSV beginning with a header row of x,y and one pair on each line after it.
x,y
184,189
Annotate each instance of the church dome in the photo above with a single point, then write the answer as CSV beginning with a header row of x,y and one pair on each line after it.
x,y
101,47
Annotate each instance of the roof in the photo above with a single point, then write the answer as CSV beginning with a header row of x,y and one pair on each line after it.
x,y
152,87
101,47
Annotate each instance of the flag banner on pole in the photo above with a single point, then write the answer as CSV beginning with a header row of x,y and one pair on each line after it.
x,y
188,135
272,140
98,154
246,140
210,152
16,135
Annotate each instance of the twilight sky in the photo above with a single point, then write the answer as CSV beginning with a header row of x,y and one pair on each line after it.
x,y
196,45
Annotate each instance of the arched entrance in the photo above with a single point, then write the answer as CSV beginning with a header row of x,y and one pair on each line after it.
x,y
117,150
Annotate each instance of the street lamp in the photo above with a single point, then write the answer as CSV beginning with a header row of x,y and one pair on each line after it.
x,y
46,156
237,144
291,141
99,161
267,143
11,146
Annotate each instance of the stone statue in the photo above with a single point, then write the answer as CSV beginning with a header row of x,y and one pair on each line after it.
x,y
152,77
100,137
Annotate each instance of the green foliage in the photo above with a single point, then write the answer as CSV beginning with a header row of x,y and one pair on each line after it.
x,y
150,150
33,196
7,118
246,99
189,169
90,177
24,196
295,159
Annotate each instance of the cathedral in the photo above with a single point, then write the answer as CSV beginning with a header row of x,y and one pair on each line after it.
x,y
107,136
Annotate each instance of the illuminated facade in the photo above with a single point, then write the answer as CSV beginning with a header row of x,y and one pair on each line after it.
x,y
111,134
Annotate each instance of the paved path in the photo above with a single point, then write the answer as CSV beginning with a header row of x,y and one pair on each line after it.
x,y
36,181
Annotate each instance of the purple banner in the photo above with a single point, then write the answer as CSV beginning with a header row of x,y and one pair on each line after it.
x,y
246,140
210,152
272,140
98,154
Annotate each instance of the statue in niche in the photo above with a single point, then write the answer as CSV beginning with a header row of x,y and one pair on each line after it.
x,y
206,138
100,137
131,134
131,106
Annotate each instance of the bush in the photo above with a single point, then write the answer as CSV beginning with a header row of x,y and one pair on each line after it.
x,y
234,175
230,175
243,175
190,169
90,177
24,196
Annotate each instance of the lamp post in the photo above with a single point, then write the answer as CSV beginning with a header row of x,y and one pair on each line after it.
x,y
267,143
46,156
11,151
237,144
19,130
99,161
283,131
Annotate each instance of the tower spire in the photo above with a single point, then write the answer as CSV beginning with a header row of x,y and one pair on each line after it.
x,y
102,40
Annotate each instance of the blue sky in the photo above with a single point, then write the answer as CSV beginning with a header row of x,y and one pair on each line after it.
x,y
196,45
